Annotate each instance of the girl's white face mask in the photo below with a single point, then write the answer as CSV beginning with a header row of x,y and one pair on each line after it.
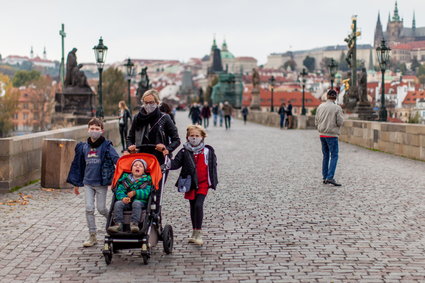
x,y
194,141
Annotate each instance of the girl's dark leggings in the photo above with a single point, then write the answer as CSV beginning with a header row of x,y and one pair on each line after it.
x,y
197,211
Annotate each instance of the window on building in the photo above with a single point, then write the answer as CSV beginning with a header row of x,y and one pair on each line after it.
x,y
25,116
25,105
36,115
16,116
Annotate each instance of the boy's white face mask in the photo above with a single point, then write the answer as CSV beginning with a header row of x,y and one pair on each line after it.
x,y
194,141
94,134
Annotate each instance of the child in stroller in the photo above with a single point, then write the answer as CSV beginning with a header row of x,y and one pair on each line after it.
x,y
132,193
148,230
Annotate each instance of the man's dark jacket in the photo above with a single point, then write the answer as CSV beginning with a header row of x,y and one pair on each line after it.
x,y
108,157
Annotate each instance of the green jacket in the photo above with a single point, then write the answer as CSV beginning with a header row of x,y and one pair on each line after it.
x,y
127,183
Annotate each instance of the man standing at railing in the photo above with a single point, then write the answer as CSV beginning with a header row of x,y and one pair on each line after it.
x,y
329,119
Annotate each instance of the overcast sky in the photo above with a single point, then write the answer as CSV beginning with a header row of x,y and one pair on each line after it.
x,y
181,29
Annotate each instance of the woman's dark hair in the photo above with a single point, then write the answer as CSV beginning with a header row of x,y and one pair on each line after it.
x,y
165,108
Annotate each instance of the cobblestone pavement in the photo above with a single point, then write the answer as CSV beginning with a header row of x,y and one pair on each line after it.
x,y
270,220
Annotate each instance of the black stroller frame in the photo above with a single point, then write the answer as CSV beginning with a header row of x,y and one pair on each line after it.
x,y
151,230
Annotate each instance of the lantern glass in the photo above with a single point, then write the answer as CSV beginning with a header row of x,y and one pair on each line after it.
x,y
100,53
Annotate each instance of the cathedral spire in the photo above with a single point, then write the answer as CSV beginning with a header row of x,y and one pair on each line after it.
x,y
396,17
379,34
44,53
32,53
414,22
214,46
224,46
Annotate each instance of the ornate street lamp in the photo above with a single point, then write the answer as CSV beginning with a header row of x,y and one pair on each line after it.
x,y
100,54
272,81
130,72
332,70
303,81
383,53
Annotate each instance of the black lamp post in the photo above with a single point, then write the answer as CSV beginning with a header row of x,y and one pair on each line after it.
x,y
100,54
383,53
130,70
303,81
272,80
332,70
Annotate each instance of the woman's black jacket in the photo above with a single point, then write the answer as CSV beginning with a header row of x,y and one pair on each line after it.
x,y
157,128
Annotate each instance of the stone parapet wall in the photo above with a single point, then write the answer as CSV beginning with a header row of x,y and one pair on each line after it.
x,y
20,156
273,119
406,140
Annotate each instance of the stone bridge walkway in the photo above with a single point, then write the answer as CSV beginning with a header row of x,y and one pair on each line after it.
x,y
270,220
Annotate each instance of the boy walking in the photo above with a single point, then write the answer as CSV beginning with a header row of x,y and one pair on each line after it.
x,y
329,119
93,168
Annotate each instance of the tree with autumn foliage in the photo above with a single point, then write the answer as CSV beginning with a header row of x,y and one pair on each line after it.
x,y
8,105
42,101
114,90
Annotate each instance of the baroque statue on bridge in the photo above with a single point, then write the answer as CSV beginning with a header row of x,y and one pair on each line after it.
x,y
363,86
143,84
74,76
255,79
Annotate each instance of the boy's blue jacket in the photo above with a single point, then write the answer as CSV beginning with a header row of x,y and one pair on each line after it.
x,y
108,159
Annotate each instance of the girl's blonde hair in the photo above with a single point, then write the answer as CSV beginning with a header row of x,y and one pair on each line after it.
x,y
152,92
197,128
122,104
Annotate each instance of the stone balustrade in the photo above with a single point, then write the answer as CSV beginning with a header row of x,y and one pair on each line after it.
x,y
20,156
406,140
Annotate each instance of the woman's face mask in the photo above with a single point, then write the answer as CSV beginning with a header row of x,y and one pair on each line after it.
x,y
195,141
94,134
150,107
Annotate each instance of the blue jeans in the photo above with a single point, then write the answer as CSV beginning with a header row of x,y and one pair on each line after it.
x,y
330,157
282,120
215,119
136,210
92,193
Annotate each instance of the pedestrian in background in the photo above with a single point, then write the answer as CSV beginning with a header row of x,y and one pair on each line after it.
x,y
167,109
93,168
195,114
215,114
329,120
227,111
290,118
245,114
124,116
220,113
206,114
282,112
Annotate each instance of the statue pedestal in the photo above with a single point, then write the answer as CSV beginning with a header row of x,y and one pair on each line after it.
x,y
365,111
74,106
255,101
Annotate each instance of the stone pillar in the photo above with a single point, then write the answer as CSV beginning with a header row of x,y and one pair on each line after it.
x,y
301,122
57,156
255,101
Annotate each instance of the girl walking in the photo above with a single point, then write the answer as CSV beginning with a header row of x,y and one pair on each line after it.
x,y
198,175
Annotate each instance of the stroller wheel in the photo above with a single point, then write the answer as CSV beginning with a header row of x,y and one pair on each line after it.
x,y
107,253
167,239
145,259
145,253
